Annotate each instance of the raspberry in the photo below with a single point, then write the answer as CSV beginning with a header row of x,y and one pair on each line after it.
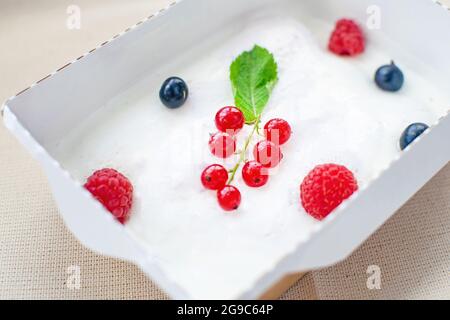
x,y
229,198
113,190
347,39
325,187
214,177
230,120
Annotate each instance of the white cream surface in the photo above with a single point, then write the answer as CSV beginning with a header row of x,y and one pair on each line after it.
x,y
337,115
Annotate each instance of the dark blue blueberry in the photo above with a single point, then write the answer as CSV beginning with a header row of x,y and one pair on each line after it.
x,y
411,133
174,92
389,78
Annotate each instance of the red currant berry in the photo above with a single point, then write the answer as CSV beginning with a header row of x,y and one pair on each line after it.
x,y
267,153
222,145
229,198
277,131
214,177
229,119
254,174
113,190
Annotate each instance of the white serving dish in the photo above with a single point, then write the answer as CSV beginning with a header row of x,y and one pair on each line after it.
x,y
41,115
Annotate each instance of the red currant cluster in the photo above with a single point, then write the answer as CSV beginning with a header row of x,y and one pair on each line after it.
x,y
267,154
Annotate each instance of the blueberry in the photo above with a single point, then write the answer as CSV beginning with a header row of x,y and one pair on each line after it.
x,y
411,133
389,78
174,92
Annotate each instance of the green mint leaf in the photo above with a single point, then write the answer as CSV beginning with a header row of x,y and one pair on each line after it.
x,y
253,75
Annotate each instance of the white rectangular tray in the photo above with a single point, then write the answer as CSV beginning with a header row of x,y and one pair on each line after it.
x,y
43,114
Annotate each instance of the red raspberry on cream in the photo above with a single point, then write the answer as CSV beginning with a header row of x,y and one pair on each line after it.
x,y
325,188
113,190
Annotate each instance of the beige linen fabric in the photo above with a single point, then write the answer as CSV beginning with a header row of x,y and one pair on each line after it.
x,y
412,249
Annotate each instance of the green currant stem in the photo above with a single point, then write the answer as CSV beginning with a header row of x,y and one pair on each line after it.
x,y
243,152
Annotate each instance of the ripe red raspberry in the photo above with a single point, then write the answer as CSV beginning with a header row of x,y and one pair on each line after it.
x,y
325,187
347,39
113,190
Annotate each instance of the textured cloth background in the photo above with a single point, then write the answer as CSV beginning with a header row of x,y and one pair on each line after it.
x,y
412,249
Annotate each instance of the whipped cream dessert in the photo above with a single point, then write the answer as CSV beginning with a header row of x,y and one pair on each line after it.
x,y
337,115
